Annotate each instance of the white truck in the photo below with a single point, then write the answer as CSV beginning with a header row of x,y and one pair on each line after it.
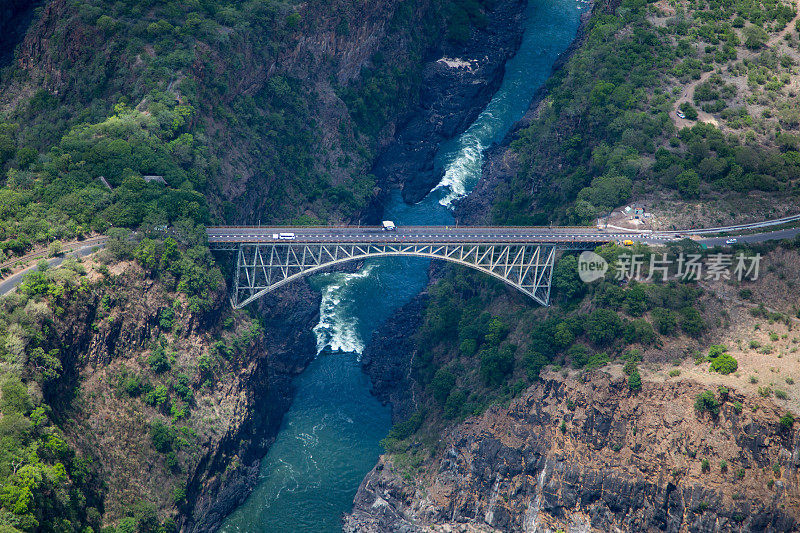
x,y
388,225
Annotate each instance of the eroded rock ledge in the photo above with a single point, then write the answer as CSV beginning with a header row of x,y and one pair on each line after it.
x,y
624,462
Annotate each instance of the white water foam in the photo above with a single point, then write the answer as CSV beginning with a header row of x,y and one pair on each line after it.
x,y
337,329
458,172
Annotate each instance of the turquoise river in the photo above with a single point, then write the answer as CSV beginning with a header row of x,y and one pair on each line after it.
x,y
329,438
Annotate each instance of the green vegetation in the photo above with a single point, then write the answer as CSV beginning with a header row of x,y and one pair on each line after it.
x,y
606,130
387,86
721,360
467,359
707,401
44,484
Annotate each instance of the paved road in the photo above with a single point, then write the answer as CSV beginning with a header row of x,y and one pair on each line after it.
x,y
444,234
67,247
789,233
425,234
10,283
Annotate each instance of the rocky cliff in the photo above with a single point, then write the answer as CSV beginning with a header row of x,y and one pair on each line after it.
x,y
588,455
135,355
15,16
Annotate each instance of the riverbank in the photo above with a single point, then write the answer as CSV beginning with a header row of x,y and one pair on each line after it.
x,y
501,162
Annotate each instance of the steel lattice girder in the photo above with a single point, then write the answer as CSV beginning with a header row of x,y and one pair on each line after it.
x,y
261,268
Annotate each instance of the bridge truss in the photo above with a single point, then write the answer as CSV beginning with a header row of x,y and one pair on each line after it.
x,y
264,267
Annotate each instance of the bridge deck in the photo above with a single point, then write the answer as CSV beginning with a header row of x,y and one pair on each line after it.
x,y
420,234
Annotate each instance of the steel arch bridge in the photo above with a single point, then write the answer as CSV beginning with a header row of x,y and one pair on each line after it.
x,y
263,268
268,258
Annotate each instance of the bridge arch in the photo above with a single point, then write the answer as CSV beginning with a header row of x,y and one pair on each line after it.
x,y
264,267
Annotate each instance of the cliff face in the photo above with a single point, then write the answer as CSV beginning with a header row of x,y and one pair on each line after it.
x,y
389,357
227,383
15,16
620,461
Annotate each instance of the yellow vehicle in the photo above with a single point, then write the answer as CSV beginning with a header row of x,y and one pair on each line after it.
x,y
627,242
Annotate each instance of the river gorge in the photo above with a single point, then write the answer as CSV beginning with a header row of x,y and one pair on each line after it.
x,y
329,438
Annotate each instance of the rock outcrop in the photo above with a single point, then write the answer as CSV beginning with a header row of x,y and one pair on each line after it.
x,y
389,357
456,87
591,456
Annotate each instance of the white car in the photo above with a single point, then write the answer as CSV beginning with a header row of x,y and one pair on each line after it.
x,y
731,241
680,114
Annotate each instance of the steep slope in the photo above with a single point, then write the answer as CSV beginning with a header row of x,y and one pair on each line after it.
x,y
478,443
592,456
161,401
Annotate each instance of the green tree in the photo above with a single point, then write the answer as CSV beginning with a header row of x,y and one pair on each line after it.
x,y
688,183
754,37
496,364
442,384
724,364
692,322
566,282
603,326
634,379
15,397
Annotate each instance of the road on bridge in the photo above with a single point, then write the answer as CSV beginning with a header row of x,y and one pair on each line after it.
x,y
455,234
425,234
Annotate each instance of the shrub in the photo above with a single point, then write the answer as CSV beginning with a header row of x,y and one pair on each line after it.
x,y
781,394
578,355
723,465
533,363
496,364
705,465
156,397
634,381
603,326
692,322
715,350
707,401
455,403
674,373
724,364
162,437
441,385
737,406
689,110
183,388
158,360
787,420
